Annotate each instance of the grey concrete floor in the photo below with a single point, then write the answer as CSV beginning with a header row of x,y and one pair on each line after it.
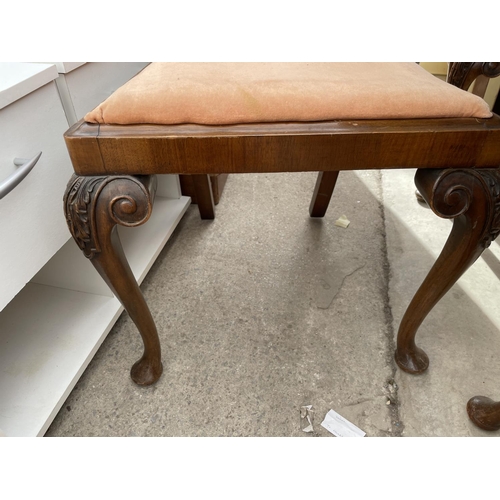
x,y
264,310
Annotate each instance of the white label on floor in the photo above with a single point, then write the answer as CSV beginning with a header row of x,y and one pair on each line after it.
x,y
339,426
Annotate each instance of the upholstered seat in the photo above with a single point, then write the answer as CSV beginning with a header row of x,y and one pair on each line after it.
x,y
231,93
208,118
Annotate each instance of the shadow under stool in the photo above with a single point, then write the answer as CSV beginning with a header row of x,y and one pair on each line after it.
x,y
204,118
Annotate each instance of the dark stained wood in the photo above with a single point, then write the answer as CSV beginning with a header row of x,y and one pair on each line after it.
x,y
217,181
88,153
323,190
462,74
496,105
484,412
292,147
480,85
472,199
93,207
204,196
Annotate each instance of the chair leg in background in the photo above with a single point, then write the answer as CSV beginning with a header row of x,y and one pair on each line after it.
x,y
323,190
204,196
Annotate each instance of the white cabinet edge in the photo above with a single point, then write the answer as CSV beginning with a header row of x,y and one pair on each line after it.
x,y
20,79
66,67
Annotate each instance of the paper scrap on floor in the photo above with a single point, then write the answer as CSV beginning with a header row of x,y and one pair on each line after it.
x,y
340,427
342,221
306,412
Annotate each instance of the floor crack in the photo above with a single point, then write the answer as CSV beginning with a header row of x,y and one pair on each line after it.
x,y
340,287
397,425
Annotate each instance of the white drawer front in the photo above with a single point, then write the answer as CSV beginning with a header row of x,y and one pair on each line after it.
x,y
32,225
94,82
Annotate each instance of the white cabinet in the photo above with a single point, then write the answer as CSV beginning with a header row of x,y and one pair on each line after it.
x,y
32,225
55,310
83,86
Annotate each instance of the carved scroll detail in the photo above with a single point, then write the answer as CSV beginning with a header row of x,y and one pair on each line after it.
x,y
456,191
490,69
131,207
462,74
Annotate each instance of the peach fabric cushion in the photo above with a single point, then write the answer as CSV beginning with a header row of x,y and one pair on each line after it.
x,y
228,93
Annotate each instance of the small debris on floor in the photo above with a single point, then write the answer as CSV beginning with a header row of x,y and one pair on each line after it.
x,y
391,386
342,221
341,427
306,418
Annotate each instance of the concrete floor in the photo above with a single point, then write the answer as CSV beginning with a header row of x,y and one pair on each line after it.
x,y
264,310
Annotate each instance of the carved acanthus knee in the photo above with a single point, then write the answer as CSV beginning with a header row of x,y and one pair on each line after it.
x,y
466,195
123,200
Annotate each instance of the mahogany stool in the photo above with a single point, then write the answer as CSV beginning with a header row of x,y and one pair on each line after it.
x,y
205,118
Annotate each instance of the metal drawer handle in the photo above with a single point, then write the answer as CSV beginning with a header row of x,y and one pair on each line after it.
x,y
25,167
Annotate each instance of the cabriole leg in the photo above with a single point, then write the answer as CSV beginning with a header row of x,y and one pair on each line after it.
x,y
93,207
472,199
